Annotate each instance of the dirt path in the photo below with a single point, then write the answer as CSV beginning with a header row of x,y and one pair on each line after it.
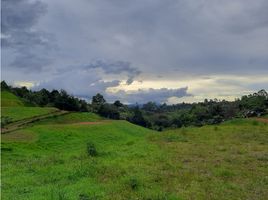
x,y
88,123
24,122
92,123
262,120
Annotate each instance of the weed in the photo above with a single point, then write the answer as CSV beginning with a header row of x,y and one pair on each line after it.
x,y
87,197
83,197
255,123
133,183
91,149
5,121
6,149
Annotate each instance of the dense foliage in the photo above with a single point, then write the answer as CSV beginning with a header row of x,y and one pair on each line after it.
x,y
59,99
151,115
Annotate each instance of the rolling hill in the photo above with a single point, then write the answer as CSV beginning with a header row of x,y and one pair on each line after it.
x,y
53,159
10,100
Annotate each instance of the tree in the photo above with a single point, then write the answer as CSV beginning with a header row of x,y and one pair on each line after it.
x,y
162,121
97,101
138,118
42,97
150,106
117,103
66,102
109,111
21,92
4,86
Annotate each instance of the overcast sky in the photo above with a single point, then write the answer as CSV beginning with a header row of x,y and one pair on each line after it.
x,y
137,50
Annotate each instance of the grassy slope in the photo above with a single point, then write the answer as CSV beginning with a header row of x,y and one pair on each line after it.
x,y
8,99
19,113
72,118
14,107
49,161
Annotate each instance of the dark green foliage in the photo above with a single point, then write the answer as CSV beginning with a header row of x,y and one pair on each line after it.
x,y
91,149
66,102
4,86
5,120
87,197
162,120
117,103
198,114
133,183
43,97
256,103
151,114
97,101
83,197
150,107
138,118
109,111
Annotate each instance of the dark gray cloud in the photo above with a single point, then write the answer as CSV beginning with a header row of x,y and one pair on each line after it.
x,y
117,67
145,95
78,83
18,18
30,47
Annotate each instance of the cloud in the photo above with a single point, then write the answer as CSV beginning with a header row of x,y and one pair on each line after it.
x,y
30,47
117,67
145,95
18,19
177,40
79,83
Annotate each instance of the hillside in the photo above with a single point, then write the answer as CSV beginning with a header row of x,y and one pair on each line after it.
x,y
14,109
50,160
10,100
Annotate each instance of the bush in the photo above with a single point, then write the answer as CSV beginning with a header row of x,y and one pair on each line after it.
x,y
88,197
5,120
133,182
91,149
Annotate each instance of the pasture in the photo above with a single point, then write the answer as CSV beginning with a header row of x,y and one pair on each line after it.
x,y
51,160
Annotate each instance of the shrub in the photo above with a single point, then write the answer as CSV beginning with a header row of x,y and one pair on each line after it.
x,y
5,120
255,123
83,197
133,183
91,149
88,197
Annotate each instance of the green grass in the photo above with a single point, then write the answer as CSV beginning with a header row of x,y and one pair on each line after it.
x,y
19,113
8,99
50,161
73,117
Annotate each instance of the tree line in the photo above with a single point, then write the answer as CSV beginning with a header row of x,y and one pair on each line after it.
x,y
150,115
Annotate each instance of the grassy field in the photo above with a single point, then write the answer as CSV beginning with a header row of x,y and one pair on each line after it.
x,y
73,117
50,161
8,99
19,113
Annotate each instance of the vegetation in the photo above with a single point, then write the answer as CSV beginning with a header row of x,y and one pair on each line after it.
x,y
19,113
73,117
150,115
119,160
81,155
10,100
59,99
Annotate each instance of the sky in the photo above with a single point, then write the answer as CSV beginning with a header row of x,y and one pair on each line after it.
x,y
168,51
